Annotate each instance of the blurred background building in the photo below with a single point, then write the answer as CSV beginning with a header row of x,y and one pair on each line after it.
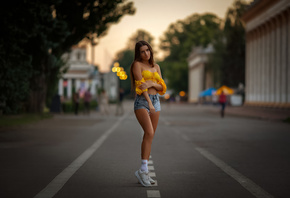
x,y
199,77
80,75
268,53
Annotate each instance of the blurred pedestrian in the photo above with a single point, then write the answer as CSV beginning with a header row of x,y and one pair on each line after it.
x,y
76,100
222,101
87,101
104,103
120,109
147,81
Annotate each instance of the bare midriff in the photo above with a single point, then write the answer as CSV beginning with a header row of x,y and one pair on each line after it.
x,y
152,91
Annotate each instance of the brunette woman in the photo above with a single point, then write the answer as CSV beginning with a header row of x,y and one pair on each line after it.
x,y
147,82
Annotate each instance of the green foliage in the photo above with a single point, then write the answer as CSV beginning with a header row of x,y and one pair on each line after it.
x,y
22,119
35,34
227,63
228,60
177,42
68,107
176,75
138,36
15,64
125,58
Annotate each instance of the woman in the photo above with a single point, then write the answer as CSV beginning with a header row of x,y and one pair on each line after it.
x,y
146,80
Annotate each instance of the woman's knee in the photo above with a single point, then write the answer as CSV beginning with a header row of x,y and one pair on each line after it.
x,y
149,135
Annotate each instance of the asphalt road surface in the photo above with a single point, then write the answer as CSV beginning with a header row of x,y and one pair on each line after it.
x,y
195,154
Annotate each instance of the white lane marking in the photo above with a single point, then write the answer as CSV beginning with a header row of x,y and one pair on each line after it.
x,y
153,193
152,174
248,184
155,183
253,188
59,181
150,162
151,168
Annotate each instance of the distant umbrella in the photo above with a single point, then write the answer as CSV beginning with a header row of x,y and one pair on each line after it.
x,y
207,92
227,90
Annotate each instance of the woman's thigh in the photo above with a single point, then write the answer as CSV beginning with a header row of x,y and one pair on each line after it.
x,y
154,119
144,120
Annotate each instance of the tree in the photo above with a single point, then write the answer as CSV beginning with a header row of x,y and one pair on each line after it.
x,y
138,36
18,43
177,42
46,30
228,60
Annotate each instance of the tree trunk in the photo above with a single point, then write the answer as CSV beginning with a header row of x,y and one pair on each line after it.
x,y
38,95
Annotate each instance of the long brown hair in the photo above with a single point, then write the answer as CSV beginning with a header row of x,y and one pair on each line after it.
x,y
137,57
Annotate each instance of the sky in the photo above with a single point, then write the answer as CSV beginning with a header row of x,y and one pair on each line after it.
x,y
154,16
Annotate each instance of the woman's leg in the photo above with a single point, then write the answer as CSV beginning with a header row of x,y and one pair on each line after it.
x,y
147,126
154,120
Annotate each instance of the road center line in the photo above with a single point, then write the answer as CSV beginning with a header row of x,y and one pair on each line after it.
x,y
248,184
153,193
59,181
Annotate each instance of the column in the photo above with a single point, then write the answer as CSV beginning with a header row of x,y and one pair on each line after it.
x,y
93,87
262,64
77,84
69,88
254,67
248,58
278,61
60,87
283,58
288,61
258,71
273,59
267,64
87,84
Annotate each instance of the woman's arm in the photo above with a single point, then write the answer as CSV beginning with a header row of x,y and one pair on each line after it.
x,y
150,83
138,77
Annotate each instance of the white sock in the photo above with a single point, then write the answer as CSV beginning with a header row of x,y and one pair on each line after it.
x,y
144,166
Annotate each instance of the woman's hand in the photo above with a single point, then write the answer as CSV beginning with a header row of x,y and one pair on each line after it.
x,y
146,85
151,108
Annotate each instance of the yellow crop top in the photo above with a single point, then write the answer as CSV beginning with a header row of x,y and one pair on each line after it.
x,y
153,76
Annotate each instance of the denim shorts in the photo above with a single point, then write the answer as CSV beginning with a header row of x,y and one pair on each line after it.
x,y
141,102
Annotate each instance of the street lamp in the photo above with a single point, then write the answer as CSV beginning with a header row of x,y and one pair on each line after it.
x,y
120,72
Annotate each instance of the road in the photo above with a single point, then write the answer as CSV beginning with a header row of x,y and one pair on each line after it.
x,y
195,153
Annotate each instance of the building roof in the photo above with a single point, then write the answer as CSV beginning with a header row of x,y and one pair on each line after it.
x,y
256,8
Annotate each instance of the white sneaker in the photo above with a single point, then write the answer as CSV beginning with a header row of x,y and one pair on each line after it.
x,y
143,178
151,180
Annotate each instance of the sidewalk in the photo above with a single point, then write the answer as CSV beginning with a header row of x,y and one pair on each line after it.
x,y
251,112
259,112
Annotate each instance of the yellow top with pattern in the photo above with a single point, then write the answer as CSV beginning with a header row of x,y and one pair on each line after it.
x,y
153,76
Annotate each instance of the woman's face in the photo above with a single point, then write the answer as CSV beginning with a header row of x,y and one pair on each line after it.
x,y
145,53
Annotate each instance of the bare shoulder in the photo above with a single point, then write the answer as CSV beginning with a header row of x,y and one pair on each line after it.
x,y
136,66
157,67
136,69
